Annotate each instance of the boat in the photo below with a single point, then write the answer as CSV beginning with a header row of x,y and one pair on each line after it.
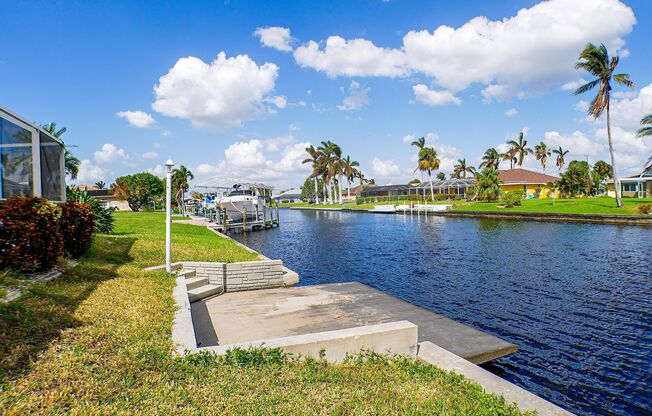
x,y
244,201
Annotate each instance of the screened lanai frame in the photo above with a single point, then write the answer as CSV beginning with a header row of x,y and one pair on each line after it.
x,y
458,186
32,161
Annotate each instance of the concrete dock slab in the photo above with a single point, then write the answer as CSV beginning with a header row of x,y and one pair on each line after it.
x,y
273,313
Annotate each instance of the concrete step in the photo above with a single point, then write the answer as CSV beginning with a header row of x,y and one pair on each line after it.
x,y
187,273
202,292
195,282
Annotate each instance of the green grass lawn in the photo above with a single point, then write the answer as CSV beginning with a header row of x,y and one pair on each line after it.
x,y
598,205
97,341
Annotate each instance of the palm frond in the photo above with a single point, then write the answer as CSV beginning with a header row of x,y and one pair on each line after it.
x,y
586,87
644,131
623,79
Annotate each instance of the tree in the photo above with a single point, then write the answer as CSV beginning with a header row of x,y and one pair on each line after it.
x,y
414,182
577,179
311,189
487,184
596,61
560,157
461,169
427,162
645,131
491,159
519,149
314,160
349,168
329,156
138,189
71,163
542,153
180,177
510,155
441,176
601,172
100,184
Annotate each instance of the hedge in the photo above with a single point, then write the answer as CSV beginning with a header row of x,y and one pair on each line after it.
x,y
34,232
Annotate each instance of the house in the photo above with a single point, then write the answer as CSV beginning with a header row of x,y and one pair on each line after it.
x,y
106,196
349,195
637,186
291,195
386,190
32,160
450,187
529,182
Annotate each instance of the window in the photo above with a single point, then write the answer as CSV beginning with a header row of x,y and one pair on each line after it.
x,y
16,157
51,153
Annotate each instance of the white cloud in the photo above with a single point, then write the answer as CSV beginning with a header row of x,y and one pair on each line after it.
x,y
166,133
89,173
511,112
577,143
222,94
275,37
573,85
110,153
384,168
409,138
138,119
498,54
149,155
275,144
582,106
278,100
358,98
245,154
356,57
157,170
432,97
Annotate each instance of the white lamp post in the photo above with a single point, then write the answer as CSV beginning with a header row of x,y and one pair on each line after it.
x,y
168,210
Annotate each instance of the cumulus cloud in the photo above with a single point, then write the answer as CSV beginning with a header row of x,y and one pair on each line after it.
x,y
275,37
355,57
384,168
90,173
138,119
577,143
110,153
498,54
511,112
149,155
158,170
278,100
358,98
429,97
573,85
220,94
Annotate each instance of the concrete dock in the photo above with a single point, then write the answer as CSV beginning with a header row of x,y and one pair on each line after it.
x,y
273,313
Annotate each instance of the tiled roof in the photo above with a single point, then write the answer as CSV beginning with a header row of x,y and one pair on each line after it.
x,y
524,176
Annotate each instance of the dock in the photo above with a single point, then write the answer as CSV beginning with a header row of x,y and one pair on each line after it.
x,y
241,317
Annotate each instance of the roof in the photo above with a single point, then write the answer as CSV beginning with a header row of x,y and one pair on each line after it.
x,y
289,193
357,189
524,176
384,188
29,123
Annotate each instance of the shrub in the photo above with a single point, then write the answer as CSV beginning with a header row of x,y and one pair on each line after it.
x,y
77,224
470,194
359,200
644,208
511,199
30,239
103,215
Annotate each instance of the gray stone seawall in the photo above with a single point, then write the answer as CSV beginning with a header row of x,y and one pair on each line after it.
x,y
250,275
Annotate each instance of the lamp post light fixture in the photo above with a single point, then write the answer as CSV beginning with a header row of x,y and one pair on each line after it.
x,y
168,215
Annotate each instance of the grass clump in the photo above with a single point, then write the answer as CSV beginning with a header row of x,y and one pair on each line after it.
x,y
98,341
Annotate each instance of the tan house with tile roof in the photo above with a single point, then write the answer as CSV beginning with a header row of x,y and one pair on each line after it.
x,y
527,181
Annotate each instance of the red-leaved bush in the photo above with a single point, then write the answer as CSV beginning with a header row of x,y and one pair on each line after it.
x,y
76,226
30,238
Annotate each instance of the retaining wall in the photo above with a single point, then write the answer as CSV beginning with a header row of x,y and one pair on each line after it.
x,y
248,275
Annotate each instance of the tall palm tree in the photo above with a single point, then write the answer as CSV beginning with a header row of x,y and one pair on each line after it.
x,y
330,155
428,161
314,160
645,131
71,163
350,172
461,169
510,155
560,157
180,177
519,148
542,153
491,159
596,61
420,144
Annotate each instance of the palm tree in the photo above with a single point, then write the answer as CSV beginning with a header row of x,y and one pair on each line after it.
x,y
440,176
560,157
491,159
314,160
100,184
519,148
645,131
595,60
350,172
330,154
487,184
510,155
461,169
71,163
428,161
542,153
180,177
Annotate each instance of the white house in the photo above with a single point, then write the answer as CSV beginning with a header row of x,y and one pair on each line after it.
x,y
291,195
32,160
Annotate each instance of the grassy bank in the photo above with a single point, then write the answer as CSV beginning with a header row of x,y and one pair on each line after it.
x,y
97,341
594,206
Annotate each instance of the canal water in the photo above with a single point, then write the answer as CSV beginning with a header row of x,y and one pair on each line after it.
x,y
575,298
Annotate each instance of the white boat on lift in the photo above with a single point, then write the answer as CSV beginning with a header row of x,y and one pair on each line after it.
x,y
245,201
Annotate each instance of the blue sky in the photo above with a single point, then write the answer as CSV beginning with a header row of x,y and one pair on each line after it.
x,y
136,82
